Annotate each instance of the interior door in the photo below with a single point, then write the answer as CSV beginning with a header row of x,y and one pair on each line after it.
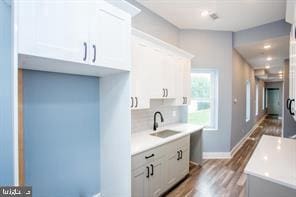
x,y
273,102
54,29
110,36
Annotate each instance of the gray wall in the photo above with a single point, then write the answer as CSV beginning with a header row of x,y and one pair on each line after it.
x,y
213,49
151,23
289,126
263,32
280,86
241,72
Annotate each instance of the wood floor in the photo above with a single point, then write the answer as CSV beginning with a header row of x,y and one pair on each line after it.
x,y
225,177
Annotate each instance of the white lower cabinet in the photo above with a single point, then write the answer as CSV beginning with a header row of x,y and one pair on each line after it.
x,y
157,170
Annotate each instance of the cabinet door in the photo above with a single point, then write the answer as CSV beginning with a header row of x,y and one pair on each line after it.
x,y
169,75
172,169
183,162
110,36
157,72
54,29
140,76
140,182
156,178
183,87
187,80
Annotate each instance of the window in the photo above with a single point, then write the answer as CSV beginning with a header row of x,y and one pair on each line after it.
x,y
257,99
248,100
204,101
263,98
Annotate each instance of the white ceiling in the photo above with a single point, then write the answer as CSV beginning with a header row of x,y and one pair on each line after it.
x,y
234,15
256,55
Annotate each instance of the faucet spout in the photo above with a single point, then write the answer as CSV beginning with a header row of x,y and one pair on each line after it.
x,y
155,124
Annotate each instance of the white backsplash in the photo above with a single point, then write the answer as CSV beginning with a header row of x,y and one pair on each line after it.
x,y
142,120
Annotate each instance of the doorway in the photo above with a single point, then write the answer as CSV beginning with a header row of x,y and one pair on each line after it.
x,y
273,102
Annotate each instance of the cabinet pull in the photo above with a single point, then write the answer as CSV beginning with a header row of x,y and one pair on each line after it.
x,y
178,155
148,173
136,102
181,154
85,51
95,53
167,92
290,107
185,100
132,105
147,157
163,92
288,103
152,169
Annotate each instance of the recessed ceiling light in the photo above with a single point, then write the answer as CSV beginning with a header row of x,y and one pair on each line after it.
x,y
204,13
269,58
267,46
267,66
280,72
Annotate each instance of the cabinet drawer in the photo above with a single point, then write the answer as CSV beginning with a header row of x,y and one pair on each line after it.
x,y
147,156
179,143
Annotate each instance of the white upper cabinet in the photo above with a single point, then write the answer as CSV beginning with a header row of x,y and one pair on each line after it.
x,y
84,32
54,29
159,71
110,36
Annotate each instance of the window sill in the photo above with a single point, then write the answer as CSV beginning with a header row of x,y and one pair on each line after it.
x,y
210,129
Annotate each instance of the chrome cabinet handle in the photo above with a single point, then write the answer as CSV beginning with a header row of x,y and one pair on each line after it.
x,y
181,157
163,92
178,155
95,53
132,105
136,102
85,51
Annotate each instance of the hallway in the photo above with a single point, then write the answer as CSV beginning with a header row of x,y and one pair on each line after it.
x,y
225,177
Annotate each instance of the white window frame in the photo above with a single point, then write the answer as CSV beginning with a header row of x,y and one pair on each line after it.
x,y
248,100
257,99
215,96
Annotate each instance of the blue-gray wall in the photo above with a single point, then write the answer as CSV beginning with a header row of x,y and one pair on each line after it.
x,y
241,72
213,49
61,134
6,131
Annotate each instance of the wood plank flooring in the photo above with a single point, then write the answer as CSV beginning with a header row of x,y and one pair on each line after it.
x,y
224,177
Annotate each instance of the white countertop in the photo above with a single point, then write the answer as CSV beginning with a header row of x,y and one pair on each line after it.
x,y
274,159
142,141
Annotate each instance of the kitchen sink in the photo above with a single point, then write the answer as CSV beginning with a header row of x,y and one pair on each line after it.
x,y
165,133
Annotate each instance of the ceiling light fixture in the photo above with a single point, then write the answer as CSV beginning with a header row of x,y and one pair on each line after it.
x,y
267,46
204,13
280,72
267,66
269,58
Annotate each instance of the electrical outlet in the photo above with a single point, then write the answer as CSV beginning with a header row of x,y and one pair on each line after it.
x,y
174,113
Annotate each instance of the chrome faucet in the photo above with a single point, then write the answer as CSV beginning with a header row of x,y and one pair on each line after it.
x,y
155,124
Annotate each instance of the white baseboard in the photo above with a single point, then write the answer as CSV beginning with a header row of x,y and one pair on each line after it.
x,y
229,155
244,139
